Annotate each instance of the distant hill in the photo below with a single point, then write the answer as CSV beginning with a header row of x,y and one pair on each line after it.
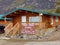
x,y
10,5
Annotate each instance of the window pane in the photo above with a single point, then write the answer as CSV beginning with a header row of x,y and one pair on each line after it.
x,y
56,19
52,20
34,19
23,18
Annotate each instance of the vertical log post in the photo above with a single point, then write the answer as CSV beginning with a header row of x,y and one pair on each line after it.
x,y
5,21
40,21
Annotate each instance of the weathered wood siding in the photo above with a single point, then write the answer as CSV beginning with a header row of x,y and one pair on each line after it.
x,y
4,23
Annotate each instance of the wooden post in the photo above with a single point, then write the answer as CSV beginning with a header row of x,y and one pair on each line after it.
x,y
40,21
27,19
5,21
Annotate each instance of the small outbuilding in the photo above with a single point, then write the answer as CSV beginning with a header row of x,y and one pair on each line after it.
x,y
33,20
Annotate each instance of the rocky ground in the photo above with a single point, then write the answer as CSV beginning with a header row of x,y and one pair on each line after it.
x,y
49,38
10,42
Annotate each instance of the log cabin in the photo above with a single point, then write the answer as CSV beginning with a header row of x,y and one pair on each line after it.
x,y
32,20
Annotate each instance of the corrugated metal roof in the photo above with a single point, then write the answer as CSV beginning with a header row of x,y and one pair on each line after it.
x,y
30,5
37,11
1,15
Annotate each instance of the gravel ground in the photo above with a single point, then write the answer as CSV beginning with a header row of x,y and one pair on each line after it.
x,y
6,42
54,39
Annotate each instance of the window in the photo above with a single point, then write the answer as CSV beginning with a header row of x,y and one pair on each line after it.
x,y
52,20
23,18
34,19
56,19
